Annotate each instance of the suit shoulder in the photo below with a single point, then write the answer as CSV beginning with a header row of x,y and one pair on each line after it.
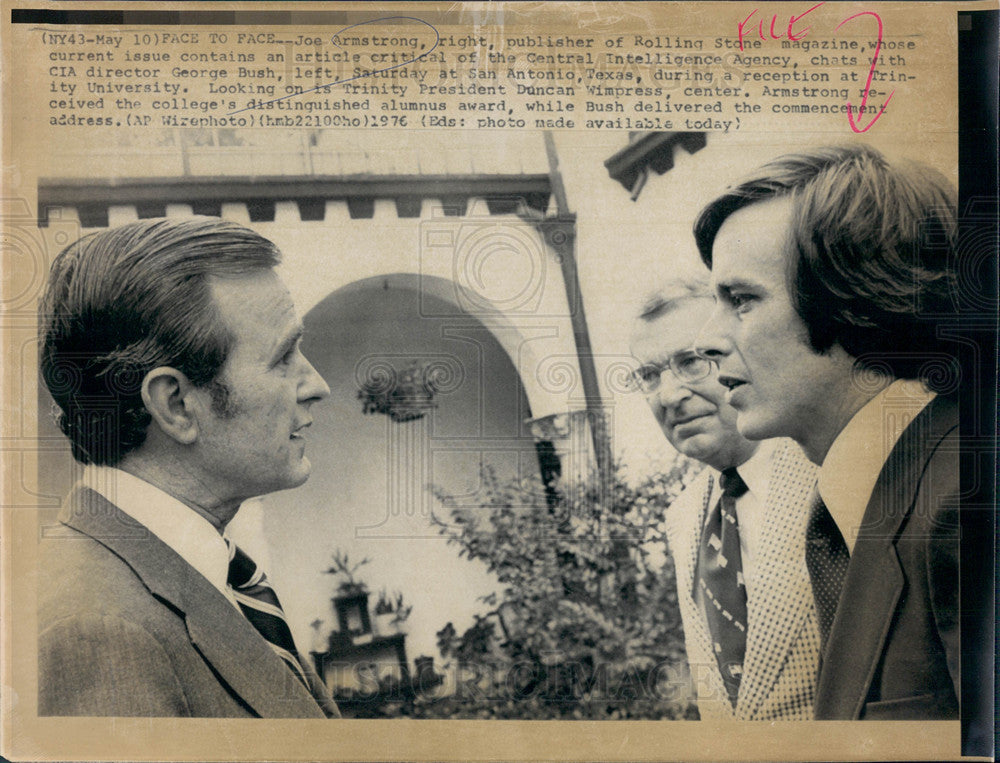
x,y
106,644
78,574
937,481
90,663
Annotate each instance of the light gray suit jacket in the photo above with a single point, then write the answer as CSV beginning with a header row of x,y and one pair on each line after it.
x,y
782,657
128,628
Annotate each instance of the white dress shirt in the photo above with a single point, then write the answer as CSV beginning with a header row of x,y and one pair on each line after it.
x,y
192,536
756,473
855,460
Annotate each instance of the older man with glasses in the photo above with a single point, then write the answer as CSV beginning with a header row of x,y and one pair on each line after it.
x,y
736,533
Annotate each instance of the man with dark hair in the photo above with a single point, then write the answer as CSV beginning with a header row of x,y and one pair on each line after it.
x,y
171,349
736,533
830,269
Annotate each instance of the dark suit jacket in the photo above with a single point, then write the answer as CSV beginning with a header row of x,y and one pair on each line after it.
x,y
128,628
894,647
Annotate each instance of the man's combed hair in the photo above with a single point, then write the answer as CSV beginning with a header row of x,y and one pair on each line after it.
x,y
124,301
871,250
668,295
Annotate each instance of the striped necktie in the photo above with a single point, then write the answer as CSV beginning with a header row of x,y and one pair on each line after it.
x,y
259,604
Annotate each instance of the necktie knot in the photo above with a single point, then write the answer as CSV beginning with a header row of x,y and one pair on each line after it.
x,y
243,570
259,604
732,483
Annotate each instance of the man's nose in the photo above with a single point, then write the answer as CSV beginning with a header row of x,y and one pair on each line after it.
x,y
314,386
672,391
712,342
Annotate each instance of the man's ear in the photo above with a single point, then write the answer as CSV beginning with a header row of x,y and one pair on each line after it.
x,y
166,393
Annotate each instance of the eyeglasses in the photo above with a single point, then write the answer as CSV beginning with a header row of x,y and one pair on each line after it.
x,y
686,366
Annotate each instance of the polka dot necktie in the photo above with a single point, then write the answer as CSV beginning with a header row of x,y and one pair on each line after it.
x,y
826,558
259,604
719,583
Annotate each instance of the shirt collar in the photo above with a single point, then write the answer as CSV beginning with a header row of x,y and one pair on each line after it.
x,y
756,470
192,536
855,460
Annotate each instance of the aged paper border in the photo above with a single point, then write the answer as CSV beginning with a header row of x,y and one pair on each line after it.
x,y
30,738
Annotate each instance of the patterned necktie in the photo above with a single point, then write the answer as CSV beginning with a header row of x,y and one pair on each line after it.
x,y
720,583
826,558
259,604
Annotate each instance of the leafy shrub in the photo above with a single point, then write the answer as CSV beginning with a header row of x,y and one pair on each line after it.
x,y
587,623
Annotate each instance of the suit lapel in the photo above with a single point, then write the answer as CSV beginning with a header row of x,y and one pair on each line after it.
x,y
701,632
693,525
782,603
227,641
874,582
248,664
683,524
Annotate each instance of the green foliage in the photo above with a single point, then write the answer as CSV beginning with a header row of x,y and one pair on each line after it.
x,y
587,623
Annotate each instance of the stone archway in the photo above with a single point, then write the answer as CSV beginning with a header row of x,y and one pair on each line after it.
x,y
368,493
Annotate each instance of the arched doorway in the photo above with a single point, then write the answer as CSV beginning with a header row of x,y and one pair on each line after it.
x,y
369,490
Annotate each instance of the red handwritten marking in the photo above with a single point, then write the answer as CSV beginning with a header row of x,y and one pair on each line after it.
x,y
793,19
739,28
793,35
868,82
790,32
773,35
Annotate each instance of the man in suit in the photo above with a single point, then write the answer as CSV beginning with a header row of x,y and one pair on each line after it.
x,y
749,624
171,348
831,269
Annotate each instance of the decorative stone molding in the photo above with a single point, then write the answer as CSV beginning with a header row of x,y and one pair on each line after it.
x,y
208,195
